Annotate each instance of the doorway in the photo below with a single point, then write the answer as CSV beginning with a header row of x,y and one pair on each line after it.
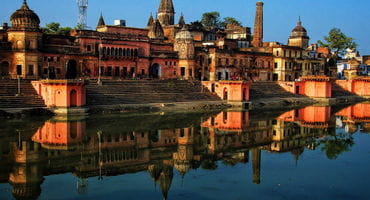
x,y
71,69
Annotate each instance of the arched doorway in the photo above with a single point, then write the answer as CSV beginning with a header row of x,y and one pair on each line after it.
x,y
154,71
73,98
71,69
4,68
225,94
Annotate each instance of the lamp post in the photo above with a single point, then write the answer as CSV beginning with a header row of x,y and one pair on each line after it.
x,y
99,133
99,61
19,85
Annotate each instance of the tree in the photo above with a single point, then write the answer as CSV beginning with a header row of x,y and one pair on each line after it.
x,y
230,20
54,28
335,144
211,19
338,42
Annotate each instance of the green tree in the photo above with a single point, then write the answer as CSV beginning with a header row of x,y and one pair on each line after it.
x,y
338,42
230,20
335,144
54,28
211,19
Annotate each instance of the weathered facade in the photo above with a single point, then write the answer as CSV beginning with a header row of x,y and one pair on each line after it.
x,y
161,50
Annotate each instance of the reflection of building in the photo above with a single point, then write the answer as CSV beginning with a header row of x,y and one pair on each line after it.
x,y
354,115
231,137
299,128
60,134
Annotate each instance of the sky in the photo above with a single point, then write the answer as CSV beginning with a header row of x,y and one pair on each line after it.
x,y
280,16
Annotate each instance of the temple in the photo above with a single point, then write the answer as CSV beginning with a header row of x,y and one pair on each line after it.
x,y
162,50
226,61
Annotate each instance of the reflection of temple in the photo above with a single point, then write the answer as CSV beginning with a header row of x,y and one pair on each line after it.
x,y
65,145
298,128
355,115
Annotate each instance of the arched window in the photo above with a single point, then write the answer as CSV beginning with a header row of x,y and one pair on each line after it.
x,y
112,52
135,53
120,52
128,53
108,51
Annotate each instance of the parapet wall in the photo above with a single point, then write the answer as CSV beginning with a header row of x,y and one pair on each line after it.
x,y
313,86
359,86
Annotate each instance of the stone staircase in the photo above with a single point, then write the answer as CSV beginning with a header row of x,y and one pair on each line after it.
x,y
27,99
145,91
267,89
338,91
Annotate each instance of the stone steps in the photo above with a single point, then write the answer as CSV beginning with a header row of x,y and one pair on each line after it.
x,y
337,91
267,89
27,99
136,92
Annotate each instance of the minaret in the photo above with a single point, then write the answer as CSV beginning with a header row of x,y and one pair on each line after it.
x,y
258,26
166,13
181,21
101,21
150,21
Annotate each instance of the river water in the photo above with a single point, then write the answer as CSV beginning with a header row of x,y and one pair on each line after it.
x,y
310,153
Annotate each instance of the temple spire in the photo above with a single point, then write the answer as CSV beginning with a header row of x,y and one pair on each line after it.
x,y
101,20
166,13
181,21
150,20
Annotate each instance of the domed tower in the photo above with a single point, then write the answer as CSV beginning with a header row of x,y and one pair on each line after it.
x,y
166,13
299,37
184,45
24,19
25,36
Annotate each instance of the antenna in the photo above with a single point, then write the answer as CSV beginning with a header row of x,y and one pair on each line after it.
x,y
82,14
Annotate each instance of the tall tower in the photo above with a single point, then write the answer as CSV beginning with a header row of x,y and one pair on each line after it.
x,y
82,14
258,26
166,13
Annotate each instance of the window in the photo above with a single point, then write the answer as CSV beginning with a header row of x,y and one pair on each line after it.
x,y
174,73
109,71
45,71
182,71
30,70
19,69
88,48
276,65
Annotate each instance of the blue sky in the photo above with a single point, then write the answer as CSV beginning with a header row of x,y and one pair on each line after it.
x,y
280,16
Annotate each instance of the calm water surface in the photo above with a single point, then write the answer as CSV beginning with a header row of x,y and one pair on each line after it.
x,y
309,153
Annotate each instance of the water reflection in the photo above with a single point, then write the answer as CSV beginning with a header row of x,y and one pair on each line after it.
x,y
101,147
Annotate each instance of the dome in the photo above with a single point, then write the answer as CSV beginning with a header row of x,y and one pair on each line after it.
x,y
184,34
299,30
25,19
